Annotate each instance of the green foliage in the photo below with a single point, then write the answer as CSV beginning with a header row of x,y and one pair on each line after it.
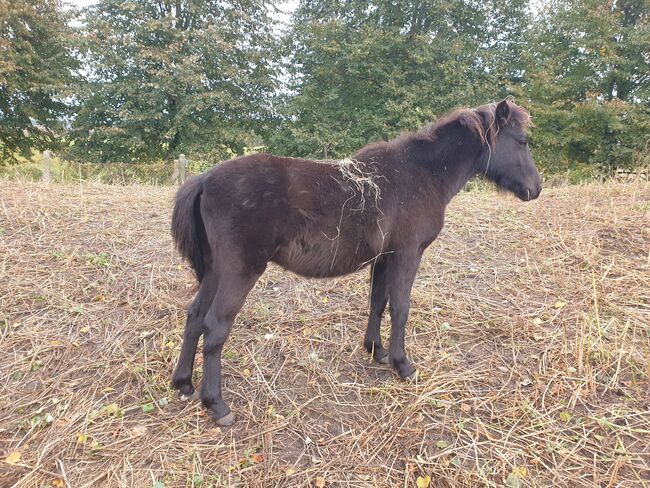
x,y
36,70
202,77
360,73
587,83
167,77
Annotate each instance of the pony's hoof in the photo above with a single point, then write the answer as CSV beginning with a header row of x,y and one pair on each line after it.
x,y
184,388
405,369
411,378
383,360
186,398
226,421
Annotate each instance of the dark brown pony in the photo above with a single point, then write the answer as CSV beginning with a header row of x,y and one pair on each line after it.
x,y
381,208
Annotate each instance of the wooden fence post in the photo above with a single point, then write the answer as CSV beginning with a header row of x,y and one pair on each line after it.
x,y
182,167
46,176
176,174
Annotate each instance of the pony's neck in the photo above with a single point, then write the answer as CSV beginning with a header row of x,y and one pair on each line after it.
x,y
451,177
452,163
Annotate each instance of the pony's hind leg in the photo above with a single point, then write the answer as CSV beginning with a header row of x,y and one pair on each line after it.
x,y
378,300
229,299
182,377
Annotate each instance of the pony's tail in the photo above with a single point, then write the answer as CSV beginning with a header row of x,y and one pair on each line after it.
x,y
188,230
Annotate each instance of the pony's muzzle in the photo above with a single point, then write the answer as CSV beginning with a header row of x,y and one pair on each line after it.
x,y
528,194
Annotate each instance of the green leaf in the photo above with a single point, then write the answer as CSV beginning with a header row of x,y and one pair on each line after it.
x,y
148,407
113,409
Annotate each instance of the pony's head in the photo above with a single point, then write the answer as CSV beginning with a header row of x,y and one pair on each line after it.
x,y
506,158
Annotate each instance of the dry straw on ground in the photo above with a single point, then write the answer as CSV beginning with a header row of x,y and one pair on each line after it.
x,y
529,326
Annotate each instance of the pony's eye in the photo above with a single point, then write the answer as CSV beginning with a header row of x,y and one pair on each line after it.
x,y
523,142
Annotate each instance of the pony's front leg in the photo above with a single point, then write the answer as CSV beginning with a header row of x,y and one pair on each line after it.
x,y
403,267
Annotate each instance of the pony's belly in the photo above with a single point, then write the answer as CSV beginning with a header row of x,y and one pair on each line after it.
x,y
323,257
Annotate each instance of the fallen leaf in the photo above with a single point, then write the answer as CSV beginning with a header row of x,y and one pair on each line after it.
x,y
514,478
465,407
85,329
513,481
289,471
537,321
257,458
246,372
139,430
423,482
13,457
442,444
113,409
325,300
148,408
565,416
520,471
58,483
559,304
82,438
320,482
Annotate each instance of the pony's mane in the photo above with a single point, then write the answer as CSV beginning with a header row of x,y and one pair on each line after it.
x,y
480,121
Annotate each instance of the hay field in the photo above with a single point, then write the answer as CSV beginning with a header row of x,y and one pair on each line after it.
x,y
530,328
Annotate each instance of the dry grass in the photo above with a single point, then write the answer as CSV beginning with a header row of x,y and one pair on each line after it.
x,y
529,326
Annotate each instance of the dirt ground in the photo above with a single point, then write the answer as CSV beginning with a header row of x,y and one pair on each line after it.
x,y
530,328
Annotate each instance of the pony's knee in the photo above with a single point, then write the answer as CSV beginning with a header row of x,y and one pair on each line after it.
x,y
214,337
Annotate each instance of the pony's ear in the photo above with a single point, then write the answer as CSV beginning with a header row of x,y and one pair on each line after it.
x,y
503,112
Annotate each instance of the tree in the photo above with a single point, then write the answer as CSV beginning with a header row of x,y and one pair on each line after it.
x,y
36,70
588,79
172,76
360,72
